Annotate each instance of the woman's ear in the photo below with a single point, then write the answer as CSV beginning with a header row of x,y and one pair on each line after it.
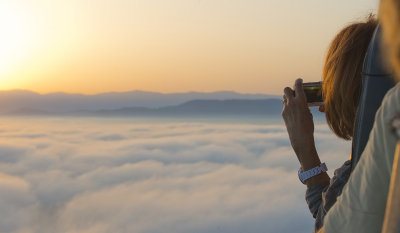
x,y
321,108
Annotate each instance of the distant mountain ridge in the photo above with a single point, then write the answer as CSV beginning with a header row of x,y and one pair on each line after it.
x,y
27,102
232,108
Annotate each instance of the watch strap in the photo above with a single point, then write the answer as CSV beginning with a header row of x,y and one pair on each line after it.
x,y
303,176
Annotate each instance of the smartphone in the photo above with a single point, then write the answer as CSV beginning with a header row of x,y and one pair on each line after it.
x,y
313,93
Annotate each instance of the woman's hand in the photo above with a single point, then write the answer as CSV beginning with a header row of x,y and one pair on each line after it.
x,y
300,126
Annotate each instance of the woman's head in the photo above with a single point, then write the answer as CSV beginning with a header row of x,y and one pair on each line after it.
x,y
390,16
342,75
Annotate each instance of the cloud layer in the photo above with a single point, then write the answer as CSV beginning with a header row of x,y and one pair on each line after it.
x,y
120,175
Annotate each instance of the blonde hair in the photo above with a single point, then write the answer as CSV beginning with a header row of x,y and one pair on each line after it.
x,y
389,14
342,76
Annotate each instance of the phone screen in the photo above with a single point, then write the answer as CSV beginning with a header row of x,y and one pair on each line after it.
x,y
313,92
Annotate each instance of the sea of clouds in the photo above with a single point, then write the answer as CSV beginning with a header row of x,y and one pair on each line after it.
x,y
92,175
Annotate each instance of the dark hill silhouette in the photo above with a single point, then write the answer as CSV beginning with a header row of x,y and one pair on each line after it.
x,y
11,101
191,108
204,108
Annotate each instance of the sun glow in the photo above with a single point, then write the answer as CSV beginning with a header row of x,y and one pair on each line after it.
x,y
15,39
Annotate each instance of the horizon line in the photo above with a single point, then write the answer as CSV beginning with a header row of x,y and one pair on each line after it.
x,y
120,92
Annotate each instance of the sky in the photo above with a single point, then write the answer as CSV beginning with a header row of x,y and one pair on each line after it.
x,y
121,175
95,46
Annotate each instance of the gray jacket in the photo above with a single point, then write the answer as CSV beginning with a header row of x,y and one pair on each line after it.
x,y
321,197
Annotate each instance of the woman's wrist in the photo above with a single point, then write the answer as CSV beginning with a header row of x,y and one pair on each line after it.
x,y
318,179
308,158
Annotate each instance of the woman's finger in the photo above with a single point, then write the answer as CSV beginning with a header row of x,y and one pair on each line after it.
x,y
288,93
298,87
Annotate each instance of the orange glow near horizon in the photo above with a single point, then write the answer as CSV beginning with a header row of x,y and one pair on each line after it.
x,y
176,46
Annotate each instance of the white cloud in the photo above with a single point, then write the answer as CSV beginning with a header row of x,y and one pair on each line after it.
x,y
16,200
104,175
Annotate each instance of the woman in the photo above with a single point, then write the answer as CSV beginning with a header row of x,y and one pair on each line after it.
x,y
341,89
362,205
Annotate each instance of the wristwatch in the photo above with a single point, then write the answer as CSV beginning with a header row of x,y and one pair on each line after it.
x,y
303,176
